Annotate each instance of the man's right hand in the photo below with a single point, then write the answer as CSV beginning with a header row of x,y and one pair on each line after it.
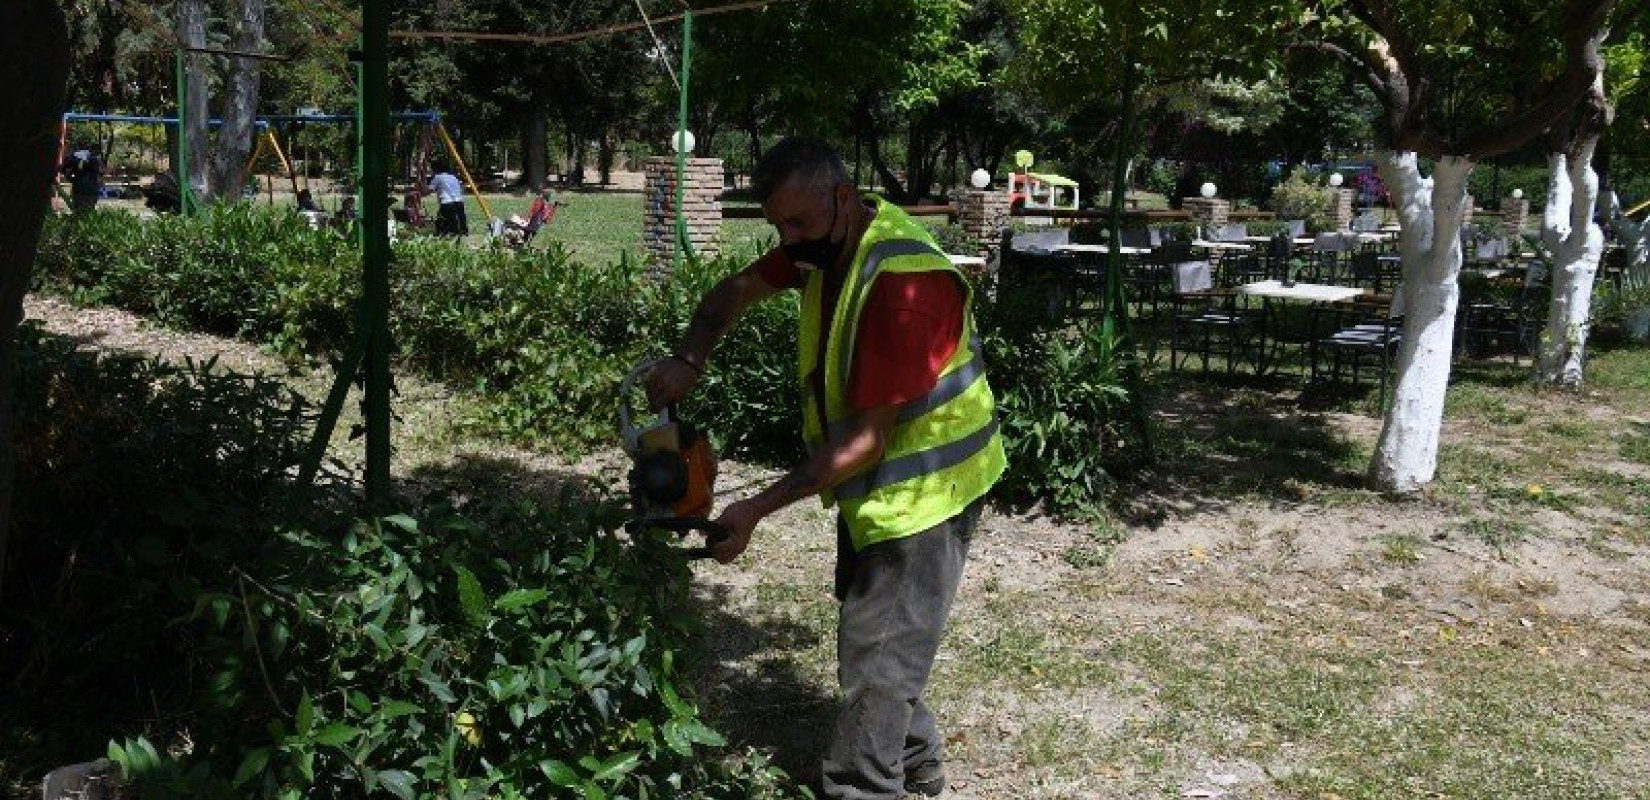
x,y
669,381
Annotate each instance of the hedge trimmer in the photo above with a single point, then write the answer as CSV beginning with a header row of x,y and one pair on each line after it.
x,y
672,474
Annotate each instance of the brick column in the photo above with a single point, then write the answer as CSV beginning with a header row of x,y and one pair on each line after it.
x,y
983,215
703,181
1515,212
1210,212
1340,209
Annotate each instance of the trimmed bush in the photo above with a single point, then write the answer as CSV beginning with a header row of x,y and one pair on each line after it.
x,y
162,587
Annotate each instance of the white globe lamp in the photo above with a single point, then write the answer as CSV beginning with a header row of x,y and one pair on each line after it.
x,y
979,179
1336,179
1207,190
1518,194
682,142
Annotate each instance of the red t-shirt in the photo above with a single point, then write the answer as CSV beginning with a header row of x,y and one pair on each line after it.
x,y
907,331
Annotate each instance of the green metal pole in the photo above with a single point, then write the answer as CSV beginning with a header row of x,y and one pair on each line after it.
x,y
1114,304
373,124
682,243
186,198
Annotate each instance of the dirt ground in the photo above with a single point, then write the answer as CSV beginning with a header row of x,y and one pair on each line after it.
x,y
1249,623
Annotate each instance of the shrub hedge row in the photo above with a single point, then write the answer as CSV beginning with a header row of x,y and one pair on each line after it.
x,y
545,340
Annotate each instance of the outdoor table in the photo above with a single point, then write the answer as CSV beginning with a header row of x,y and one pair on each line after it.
x,y
1273,291
1100,248
1304,292
1212,245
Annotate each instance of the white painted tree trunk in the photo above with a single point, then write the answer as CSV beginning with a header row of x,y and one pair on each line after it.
x,y
1577,244
1429,210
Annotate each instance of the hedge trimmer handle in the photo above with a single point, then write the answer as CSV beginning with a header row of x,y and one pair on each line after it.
x,y
715,532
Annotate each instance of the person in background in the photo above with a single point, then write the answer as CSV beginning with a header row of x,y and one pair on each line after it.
x,y
449,194
84,169
539,214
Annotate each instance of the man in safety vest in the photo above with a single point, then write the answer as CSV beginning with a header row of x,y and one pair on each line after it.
x,y
902,435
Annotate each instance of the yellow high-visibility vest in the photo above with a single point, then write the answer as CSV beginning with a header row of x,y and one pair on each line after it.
x,y
945,451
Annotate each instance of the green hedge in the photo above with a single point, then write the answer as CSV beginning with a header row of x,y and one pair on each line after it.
x,y
545,339
162,587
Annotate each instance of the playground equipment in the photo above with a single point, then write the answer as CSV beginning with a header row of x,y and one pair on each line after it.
x,y
270,130
1035,191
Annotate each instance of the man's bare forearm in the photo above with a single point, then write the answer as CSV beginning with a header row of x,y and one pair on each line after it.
x,y
831,465
715,315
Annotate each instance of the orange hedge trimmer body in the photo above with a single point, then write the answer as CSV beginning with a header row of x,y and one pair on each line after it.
x,y
672,474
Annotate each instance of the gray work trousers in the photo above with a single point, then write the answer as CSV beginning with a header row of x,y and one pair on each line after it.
x,y
895,597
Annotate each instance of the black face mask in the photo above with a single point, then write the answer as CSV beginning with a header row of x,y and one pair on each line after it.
x,y
818,253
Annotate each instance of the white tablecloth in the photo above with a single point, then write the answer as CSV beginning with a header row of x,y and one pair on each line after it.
x,y
1308,292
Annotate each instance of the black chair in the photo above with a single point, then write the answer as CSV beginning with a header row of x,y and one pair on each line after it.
x,y
1207,321
1376,271
1365,340
1028,266
1493,320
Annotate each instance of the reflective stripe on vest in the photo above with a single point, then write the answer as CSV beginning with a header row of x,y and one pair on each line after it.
x,y
914,465
949,387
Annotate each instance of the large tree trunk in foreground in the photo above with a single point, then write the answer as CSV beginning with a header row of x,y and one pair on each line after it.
x,y
1577,244
34,71
1406,457
240,103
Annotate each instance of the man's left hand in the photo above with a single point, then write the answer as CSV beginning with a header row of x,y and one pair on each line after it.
x,y
739,519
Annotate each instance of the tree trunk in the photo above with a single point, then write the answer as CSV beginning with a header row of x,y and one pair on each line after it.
x,y
34,73
240,103
1429,209
1577,244
890,182
604,155
534,148
192,33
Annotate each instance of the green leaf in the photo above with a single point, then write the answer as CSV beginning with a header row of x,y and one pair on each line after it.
x,y
306,714
439,688
617,766
471,599
403,522
521,598
399,783
251,766
399,708
560,774
337,734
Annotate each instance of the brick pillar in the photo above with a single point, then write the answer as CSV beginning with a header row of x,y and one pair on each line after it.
x,y
1515,212
1210,212
1340,209
983,215
703,181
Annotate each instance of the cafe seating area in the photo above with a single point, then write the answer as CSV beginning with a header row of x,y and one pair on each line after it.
x,y
1319,310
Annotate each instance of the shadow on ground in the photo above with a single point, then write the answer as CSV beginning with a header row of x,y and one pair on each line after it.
x,y
1221,441
753,688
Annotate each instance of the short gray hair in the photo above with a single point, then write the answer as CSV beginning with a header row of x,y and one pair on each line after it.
x,y
811,160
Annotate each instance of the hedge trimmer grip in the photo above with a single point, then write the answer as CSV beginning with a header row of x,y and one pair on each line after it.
x,y
715,532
